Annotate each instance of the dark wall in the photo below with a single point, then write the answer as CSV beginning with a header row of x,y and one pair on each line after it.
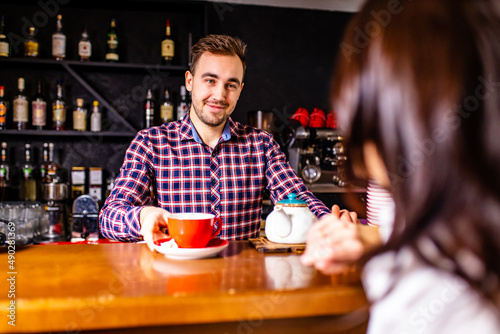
x,y
291,53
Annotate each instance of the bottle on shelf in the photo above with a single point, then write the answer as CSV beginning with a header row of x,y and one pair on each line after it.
x,y
80,116
78,180
95,118
20,115
149,110
112,43
4,174
31,45
84,46
4,106
59,41
5,186
182,106
43,165
59,109
50,171
167,108
38,109
4,42
95,183
28,181
167,46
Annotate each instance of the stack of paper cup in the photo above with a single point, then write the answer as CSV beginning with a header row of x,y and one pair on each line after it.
x,y
380,209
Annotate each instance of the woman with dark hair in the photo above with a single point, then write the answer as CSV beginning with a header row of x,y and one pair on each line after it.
x,y
416,91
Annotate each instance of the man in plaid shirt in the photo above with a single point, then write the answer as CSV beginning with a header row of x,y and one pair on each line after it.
x,y
204,162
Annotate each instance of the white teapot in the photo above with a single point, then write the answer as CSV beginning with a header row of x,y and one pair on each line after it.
x,y
289,221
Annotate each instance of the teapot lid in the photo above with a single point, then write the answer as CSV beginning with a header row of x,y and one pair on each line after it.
x,y
292,201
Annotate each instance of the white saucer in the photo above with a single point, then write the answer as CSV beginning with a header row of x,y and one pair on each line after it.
x,y
213,248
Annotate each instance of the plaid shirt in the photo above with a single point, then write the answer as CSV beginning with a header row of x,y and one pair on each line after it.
x,y
227,181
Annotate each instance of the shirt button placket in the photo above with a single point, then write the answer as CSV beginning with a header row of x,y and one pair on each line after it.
x,y
215,185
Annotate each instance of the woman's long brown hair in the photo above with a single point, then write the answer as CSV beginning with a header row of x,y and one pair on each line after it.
x,y
421,79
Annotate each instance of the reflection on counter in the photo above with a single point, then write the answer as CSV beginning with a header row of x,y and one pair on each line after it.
x,y
287,272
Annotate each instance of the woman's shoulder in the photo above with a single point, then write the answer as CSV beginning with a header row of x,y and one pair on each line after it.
x,y
418,298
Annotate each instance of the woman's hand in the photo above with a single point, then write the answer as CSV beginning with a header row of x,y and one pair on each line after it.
x,y
334,242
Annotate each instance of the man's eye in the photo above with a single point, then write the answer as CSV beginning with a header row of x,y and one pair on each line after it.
x,y
210,81
231,86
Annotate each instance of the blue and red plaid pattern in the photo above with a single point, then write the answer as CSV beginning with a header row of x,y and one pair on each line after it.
x,y
227,181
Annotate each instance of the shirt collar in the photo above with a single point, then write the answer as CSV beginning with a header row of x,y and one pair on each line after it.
x,y
188,131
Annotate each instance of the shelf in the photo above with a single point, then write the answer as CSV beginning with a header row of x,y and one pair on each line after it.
x,y
93,64
67,133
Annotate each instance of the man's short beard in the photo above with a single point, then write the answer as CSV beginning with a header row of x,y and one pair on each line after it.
x,y
206,121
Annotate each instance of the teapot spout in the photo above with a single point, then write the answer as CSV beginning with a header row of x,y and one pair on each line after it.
x,y
278,224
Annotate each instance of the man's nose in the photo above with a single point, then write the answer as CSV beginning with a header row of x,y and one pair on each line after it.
x,y
219,92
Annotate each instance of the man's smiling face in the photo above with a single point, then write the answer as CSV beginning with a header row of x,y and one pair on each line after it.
x,y
215,88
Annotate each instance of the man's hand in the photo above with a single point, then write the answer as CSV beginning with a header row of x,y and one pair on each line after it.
x,y
334,242
153,220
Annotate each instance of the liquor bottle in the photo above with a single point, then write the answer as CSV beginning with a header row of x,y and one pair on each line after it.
x,y
5,190
50,170
95,118
78,180
28,182
31,45
20,107
149,110
43,165
167,46
79,116
4,105
182,107
59,109
4,42
59,41
38,109
95,183
84,46
112,43
166,108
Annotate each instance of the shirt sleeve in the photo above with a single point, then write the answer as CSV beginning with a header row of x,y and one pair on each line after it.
x,y
119,217
282,179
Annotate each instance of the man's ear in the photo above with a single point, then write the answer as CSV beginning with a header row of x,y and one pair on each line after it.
x,y
189,81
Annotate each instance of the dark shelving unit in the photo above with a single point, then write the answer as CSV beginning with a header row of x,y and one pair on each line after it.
x,y
72,67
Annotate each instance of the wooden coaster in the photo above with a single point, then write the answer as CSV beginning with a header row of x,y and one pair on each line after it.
x,y
263,245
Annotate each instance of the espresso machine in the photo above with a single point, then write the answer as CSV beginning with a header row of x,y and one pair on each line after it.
x,y
316,154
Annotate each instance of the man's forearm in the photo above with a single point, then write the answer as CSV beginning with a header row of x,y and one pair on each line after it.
x,y
120,222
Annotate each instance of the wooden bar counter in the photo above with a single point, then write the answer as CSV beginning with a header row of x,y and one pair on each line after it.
x,y
125,288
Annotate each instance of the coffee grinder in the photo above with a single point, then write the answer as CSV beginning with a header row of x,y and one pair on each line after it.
x,y
54,225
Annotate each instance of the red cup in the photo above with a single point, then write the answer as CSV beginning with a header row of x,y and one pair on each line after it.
x,y
193,230
301,115
331,120
318,119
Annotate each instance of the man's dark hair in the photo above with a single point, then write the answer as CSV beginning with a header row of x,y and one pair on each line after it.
x,y
219,45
